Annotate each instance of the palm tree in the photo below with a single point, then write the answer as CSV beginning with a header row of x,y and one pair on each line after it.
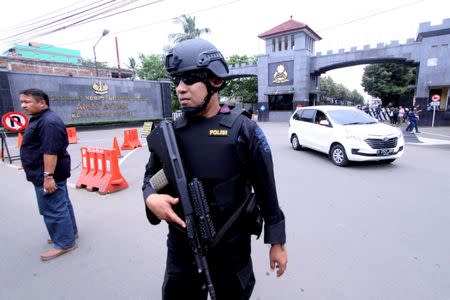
x,y
189,29
132,65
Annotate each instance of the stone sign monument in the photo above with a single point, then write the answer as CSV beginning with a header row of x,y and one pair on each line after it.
x,y
90,100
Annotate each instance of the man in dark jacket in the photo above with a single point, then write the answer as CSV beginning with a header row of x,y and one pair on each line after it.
x,y
47,165
230,155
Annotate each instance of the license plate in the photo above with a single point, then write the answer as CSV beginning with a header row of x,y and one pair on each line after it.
x,y
385,152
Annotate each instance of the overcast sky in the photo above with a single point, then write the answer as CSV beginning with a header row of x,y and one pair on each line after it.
x,y
234,24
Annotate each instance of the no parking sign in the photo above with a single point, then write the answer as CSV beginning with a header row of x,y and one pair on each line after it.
x,y
435,98
14,121
435,103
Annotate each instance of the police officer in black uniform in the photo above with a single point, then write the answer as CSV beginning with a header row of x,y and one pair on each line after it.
x,y
229,153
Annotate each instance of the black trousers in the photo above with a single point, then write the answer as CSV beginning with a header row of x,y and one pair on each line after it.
x,y
230,267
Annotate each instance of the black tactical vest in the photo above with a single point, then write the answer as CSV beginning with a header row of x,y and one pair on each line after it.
x,y
210,152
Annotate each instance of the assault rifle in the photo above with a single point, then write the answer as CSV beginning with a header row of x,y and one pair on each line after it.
x,y
199,227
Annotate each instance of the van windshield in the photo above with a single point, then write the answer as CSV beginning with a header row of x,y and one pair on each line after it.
x,y
350,117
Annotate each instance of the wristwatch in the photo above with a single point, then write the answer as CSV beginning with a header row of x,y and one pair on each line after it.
x,y
47,174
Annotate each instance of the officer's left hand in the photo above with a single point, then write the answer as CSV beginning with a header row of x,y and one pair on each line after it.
x,y
278,258
49,185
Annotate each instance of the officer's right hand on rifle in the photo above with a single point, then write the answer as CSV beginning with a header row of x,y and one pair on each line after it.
x,y
161,206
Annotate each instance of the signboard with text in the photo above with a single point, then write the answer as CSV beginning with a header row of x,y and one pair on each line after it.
x,y
93,100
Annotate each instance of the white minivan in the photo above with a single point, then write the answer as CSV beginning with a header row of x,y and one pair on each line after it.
x,y
345,134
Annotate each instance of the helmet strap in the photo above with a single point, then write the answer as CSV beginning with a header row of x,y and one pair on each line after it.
x,y
192,110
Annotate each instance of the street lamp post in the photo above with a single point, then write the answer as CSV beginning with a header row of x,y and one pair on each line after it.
x,y
105,32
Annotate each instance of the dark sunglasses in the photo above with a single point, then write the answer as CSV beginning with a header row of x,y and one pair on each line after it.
x,y
190,78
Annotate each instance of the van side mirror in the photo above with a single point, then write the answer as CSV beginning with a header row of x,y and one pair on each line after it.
x,y
324,122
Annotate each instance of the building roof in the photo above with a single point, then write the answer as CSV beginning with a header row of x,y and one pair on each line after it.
x,y
34,50
289,26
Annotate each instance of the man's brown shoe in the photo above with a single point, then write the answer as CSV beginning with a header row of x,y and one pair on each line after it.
x,y
49,240
51,254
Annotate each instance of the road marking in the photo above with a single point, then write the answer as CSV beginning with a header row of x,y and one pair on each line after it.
x,y
12,166
426,141
437,134
129,153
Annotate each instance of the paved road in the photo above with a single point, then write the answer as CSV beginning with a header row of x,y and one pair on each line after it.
x,y
369,231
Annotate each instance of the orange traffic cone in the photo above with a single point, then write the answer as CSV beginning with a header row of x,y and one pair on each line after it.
x,y
112,181
19,140
116,147
72,135
137,142
127,143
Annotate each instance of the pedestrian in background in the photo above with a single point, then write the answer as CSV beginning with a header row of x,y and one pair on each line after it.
x,y
417,111
401,114
391,115
377,112
412,116
47,165
395,115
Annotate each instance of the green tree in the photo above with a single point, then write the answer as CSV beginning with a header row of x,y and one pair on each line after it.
x,y
327,89
132,65
88,63
240,59
356,97
190,31
388,81
332,91
152,67
247,88
342,93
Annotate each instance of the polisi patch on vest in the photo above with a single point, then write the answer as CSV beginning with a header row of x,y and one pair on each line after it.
x,y
218,132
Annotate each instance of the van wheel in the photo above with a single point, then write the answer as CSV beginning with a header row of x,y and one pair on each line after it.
x,y
295,143
338,156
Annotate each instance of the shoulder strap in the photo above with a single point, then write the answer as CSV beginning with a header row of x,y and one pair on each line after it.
x,y
230,221
229,119
181,121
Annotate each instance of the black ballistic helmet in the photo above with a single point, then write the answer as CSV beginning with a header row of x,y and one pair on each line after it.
x,y
202,56
196,54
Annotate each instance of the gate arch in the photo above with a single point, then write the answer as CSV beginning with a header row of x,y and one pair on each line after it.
x,y
290,47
